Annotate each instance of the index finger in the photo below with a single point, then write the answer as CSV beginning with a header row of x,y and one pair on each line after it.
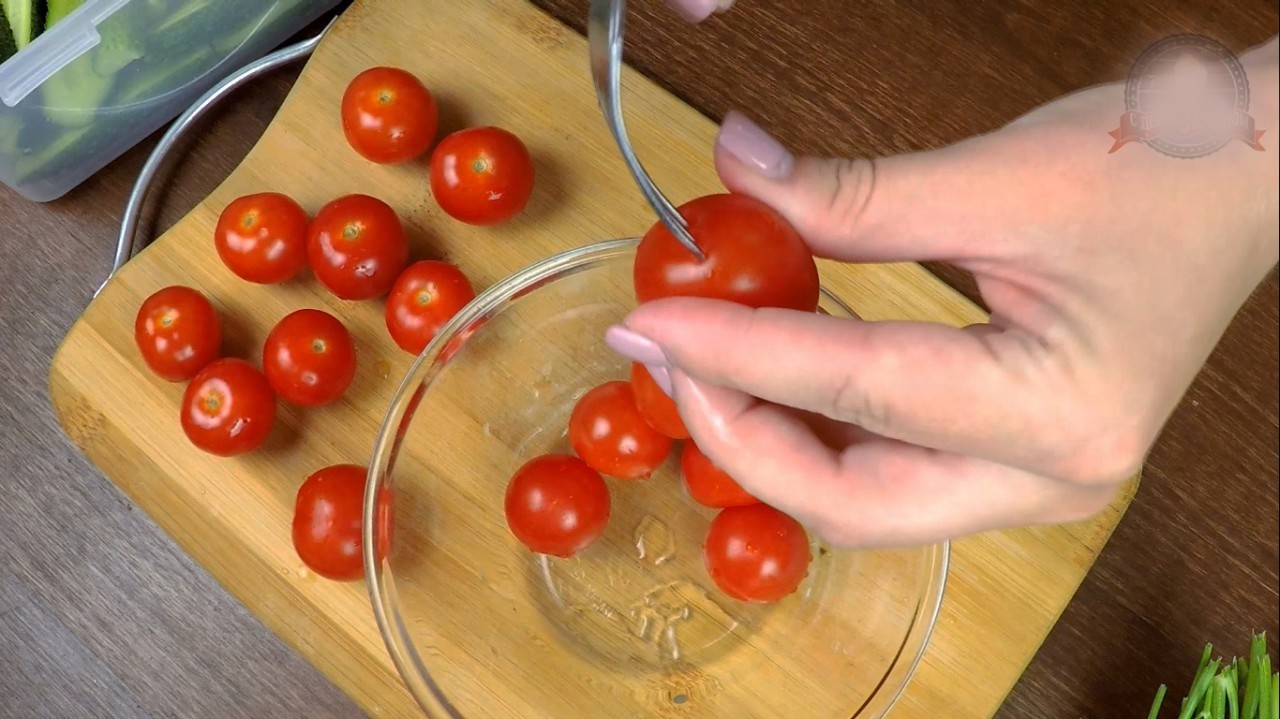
x,y
696,11
924,383
873,493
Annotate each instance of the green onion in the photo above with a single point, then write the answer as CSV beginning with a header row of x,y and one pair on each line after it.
x,y
1244,688
1266,698
1264,688
1231,684
1220,689
1200,690
1275,696
1155,706
1251,687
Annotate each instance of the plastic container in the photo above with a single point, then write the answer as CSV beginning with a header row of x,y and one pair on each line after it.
x,y
114,71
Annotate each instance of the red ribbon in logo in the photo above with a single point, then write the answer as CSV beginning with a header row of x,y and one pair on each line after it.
x,y
1136,126
1133,126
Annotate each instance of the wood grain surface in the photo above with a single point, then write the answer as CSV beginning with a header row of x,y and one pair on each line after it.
x,y
1004,590
155,637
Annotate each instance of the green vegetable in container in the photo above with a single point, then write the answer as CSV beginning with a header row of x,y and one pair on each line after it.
x,y
26,20
148,49
119,45
31,20
9,128
59,9
8,46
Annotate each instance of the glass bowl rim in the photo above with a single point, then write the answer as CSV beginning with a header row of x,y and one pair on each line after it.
x,y
417,679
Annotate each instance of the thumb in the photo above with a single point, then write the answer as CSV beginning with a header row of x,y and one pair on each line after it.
x,y
935,205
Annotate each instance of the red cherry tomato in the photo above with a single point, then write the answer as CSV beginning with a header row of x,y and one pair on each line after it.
x,y
424,298
608,432
659,410
481,175
388,115
177,332
262,238
357,247
309,358
756,553
557,505
327,521
228,408
709,485
753,257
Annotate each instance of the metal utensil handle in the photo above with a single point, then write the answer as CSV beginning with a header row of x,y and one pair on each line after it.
x,y
606,20
125,245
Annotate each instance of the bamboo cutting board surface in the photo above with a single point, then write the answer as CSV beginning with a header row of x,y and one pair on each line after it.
x,y
500,62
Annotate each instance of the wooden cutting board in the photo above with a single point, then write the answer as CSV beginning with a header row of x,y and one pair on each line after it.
x,y
489,61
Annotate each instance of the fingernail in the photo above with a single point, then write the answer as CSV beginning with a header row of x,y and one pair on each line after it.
x,y
696,11
661,377
754,147
637,348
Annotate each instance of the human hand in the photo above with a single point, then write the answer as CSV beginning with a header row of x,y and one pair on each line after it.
x,y
698,10
1110,278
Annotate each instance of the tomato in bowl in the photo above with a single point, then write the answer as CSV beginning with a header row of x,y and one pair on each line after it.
x,y
624,618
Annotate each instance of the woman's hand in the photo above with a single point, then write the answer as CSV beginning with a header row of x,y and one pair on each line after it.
x,y
1110,278
698,10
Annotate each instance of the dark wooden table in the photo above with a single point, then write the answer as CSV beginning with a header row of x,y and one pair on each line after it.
x,y
102,616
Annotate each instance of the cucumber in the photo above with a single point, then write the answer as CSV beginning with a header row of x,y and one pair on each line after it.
x,y
10,126
119,46
26,19
8,46
51,149
73,94
59,154
59,9
186,20
160,80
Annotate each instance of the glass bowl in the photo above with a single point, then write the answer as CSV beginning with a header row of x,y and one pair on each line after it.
x,y
481,628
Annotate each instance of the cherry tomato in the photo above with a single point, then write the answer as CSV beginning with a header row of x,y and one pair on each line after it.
x,y
357,247
756,553
309,358
388,115
327,521
425,297
481,175
658,409
178,332
753,257
608,432
557,505
709,485
262,238
228,408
